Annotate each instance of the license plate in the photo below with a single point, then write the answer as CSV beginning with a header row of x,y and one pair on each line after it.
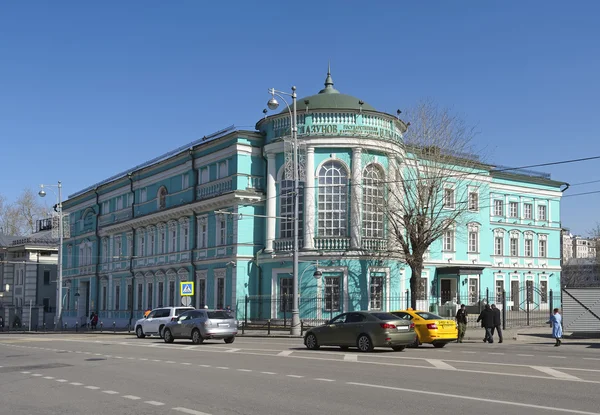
x,y
223,325
402,327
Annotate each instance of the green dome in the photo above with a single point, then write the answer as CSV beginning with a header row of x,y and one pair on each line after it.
x,y
331,98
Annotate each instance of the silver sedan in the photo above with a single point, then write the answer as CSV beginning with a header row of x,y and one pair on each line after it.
x,y
200,325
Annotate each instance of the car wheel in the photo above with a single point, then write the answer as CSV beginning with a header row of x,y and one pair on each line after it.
x,y
398,348
311,342
364,343
439,345
229,340
160,331
168,336
197,337
139,332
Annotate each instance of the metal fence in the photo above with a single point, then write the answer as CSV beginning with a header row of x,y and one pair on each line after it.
x,y
527,308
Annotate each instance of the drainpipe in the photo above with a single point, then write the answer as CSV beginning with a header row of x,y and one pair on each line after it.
x,y
260,277
195,178
97,233
133,238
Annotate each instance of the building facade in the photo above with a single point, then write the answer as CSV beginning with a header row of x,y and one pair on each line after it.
x,y
218,212
29,269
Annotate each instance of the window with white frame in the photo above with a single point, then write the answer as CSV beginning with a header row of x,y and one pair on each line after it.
x,y
285,294
473,239
129,296
448,240
528,247
104,297
204,175
286,208
141,243
118,247
202,233
185,236
333,200
473,291
130,244
104,250
498,208
150,295
119,202
513,209
163,240
542,212
332,293
220,286
514,244
527,211
223,169
140,296
373,202
499,290
473,201
151,243
201,290
449,198
69,256
185,181
161,292
543,291
117,297
143,195
173,246
499,244
221,230
542,247
172,293
105,207
376,291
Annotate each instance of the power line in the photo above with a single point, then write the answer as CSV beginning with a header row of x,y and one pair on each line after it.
x,y
582,183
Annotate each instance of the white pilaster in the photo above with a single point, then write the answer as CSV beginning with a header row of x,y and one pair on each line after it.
x,y
271,202
394,193
309,200
356,198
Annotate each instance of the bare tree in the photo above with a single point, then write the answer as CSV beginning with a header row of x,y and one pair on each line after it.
x,y
19,218
429,197
584,272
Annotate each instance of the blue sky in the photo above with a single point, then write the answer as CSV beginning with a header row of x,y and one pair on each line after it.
x,y
89,89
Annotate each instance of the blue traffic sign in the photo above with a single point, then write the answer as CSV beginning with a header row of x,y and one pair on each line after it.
x,y
186,288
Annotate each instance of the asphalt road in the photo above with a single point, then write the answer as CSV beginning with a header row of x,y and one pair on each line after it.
x,y
117,374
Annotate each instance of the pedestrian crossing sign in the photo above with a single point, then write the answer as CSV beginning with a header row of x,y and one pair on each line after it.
x,y
186,288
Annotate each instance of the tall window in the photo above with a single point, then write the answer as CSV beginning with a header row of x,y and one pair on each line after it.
x,y
223,169
473,240
499,291
69,256
285,294
117,297
171,293
449,198
173,239
527,211
473,201
118,247
185,181
162,198
150,295
473,290
332,293
376,290
221,231
104,250
129,296
528,247
143,196
163,241
104,297
202,233
542,212
498,208
142,244
140,295
448,240
514,245
186,237
201,289
204,175
513,209
543,291
333,199
152,243
287,199
220,293
542,248
372,202
161,291
499,245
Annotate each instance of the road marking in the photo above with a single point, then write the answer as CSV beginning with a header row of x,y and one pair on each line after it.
x,y
285,353
439,364
132,397
468,352
496,353
97,354
36,374
156,360
92,387
170,361
25,373
325,380
49,377
268,373
107,355
472,398
295,376
232,350
350,358
155,403
205,365
591,358
558,357
190,347
222,367
555,373
525,355
76,384
185,363
189,411
244,370
118,357
143,358
62,380
111,392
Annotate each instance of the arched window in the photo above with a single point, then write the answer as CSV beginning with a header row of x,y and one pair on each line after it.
x,y
162,198
333,199
286,208
373,202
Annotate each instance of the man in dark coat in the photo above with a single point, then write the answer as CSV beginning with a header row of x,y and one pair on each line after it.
x,y
497,323
461,320
487,322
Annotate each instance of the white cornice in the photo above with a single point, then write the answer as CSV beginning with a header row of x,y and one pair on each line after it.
x,y
524,190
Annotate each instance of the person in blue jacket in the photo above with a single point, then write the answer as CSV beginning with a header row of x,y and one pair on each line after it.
x,y
556,323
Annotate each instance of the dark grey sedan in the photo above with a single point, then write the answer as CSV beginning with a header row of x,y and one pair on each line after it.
x,y
200,325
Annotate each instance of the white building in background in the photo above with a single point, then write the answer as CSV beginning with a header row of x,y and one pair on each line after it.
x,y
575,246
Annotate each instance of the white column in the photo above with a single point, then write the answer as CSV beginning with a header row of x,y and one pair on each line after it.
x,y
271,202
394,193
356,198
309,200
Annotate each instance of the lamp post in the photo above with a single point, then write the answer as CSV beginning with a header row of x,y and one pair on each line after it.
x,y
42,193
273,104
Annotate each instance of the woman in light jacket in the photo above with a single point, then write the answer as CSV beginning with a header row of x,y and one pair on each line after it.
x,y
556,322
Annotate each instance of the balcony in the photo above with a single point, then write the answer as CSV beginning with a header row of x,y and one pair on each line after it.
x,y
332,244
373,244
216,188
286,244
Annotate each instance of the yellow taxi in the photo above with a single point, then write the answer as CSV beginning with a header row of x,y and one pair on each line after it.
x,y
430,327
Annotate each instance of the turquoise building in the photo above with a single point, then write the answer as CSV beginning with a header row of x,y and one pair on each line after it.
x,y
218,212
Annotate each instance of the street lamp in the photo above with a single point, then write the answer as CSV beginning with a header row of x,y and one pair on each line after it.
x,y
42,193
273,104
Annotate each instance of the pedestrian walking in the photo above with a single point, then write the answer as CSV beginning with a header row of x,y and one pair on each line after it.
x,y
556,322
497,323
487,322
461,320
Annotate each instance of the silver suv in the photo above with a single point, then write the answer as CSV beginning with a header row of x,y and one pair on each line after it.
x,y
157,320
200,325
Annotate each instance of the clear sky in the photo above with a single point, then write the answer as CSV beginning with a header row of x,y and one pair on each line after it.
x,y
89,89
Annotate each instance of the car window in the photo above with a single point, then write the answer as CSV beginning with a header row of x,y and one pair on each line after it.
x,y
162,313
218,314
403,315
339,319
185,316
194,314
428,316
152,314
355,318
179,311
384,316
